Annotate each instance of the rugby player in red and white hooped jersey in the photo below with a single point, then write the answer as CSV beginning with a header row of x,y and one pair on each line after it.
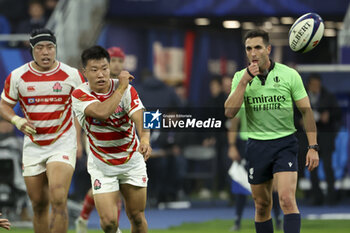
x,y
43,88
117,58
110,112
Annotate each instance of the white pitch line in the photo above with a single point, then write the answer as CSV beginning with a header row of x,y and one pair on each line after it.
x,y
329,216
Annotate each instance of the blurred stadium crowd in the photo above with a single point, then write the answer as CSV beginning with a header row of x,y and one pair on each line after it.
x,y
23,16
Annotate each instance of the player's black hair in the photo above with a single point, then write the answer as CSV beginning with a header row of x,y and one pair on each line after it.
x,y
257,33
95,52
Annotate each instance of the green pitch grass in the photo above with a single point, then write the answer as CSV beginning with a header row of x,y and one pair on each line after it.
x,y
223,226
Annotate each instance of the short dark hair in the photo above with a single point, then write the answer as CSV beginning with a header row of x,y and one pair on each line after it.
x,y
95,52
257,33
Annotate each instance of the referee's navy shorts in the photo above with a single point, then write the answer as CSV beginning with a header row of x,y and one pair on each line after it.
x,y
266,157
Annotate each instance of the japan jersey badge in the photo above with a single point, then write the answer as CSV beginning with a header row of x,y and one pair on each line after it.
x,y
57,87
97,184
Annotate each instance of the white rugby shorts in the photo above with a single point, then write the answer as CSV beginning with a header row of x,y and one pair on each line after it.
x,y
136,175
36,157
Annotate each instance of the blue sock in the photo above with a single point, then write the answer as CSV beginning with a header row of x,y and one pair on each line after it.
x,y
264,227
291,223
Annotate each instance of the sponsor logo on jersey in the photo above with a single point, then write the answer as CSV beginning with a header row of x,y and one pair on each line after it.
x,y
265,102
144,179
97,184
31,88
152,120
57,87
31,100
65,157
44,100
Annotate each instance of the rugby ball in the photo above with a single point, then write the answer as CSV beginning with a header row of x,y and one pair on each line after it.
x,y
306,33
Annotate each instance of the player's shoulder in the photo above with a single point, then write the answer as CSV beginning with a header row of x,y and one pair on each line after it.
x,y
73,73
284,68
130,94
129,89
132,90
239,74
20,70
82,88
68,68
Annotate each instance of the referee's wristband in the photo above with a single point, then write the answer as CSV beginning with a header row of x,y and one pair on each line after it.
x,y
250,74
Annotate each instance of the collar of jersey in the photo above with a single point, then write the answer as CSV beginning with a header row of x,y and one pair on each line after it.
x,y
272,65
263,78
105,94
49,72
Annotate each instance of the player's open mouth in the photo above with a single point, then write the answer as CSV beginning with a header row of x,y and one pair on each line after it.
x,y
46,60
101,82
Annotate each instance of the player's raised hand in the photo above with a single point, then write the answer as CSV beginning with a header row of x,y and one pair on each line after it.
x,y
145,149
252,70
125,77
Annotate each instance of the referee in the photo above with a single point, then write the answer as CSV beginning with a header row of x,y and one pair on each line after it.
x,y
268,90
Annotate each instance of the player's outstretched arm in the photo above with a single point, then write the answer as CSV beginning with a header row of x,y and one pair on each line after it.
x,y
102,110
312,158
144,134
9,114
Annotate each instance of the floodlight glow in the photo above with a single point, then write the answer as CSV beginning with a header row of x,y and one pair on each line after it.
x,y
231,24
